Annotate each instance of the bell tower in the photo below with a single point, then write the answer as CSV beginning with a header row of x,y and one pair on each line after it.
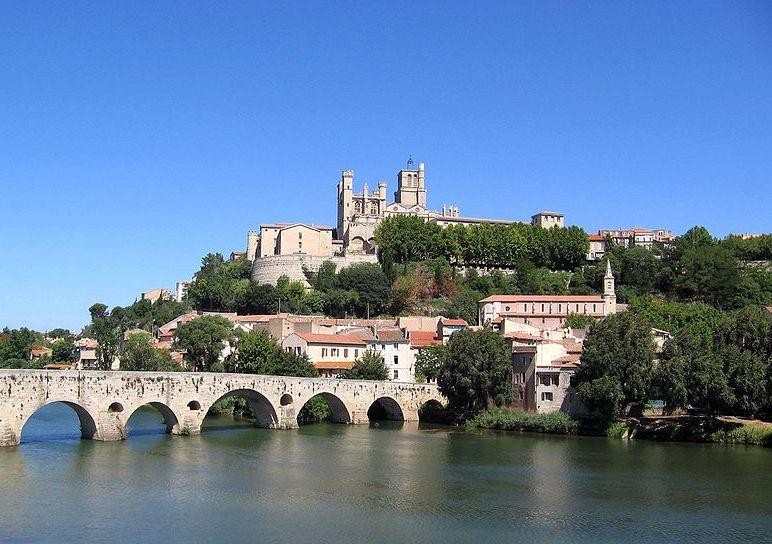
x,y
345,201
609,295
411,188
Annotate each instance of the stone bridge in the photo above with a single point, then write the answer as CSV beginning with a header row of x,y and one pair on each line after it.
x,y
104,401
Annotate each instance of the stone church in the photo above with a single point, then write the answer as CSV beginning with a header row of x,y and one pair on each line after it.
x,y
287,248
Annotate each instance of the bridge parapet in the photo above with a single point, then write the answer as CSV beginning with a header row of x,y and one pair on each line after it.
x,y
105,400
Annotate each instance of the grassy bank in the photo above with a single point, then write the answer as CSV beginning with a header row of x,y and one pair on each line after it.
x,y
504,419
665,429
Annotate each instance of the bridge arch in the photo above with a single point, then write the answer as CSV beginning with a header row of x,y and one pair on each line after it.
x,y
339,412
170,419
266,415
387,408
88,423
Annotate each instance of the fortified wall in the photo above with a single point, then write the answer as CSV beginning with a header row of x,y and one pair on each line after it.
x,y
270,268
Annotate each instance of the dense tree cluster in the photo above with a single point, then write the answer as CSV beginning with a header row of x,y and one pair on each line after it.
x,y
716,363
402,239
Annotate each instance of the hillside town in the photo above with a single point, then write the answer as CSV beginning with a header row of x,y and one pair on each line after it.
x,y
540,329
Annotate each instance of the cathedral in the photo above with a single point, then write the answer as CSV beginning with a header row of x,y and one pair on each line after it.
x,y
288,248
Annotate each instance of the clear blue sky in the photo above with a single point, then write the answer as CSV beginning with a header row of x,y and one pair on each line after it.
x,y
136,137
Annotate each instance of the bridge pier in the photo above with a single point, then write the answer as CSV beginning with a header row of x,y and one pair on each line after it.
x,y
8,436
109,428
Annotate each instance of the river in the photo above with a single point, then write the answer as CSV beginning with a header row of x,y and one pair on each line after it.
x,y
397,483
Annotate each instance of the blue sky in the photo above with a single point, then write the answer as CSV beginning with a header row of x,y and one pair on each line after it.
x,y
136,137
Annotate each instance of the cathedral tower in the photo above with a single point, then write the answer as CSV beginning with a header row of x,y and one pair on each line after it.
x,y
411,190
345,201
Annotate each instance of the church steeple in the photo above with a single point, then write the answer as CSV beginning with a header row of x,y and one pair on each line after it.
x,y
609,294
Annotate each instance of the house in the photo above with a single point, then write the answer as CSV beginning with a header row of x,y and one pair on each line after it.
x,y
542,373
87,353
331,354
36,352
155,294
446,327
597,247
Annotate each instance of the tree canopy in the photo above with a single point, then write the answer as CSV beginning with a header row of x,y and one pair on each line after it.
x,y
475,372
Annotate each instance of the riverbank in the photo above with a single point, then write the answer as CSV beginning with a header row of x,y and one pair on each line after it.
x,y
707,429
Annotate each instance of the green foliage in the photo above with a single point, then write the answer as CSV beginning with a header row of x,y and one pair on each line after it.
x,y
315,410
505,419
617,364
402,239
203,340
139,355
617,429
218,284
475,373
258,353
578,321
370,366
757,248
701,319
63,350
371,285
16,344
107,332
756,435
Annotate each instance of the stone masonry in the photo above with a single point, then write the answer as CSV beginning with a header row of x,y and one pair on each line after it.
x,y
104,401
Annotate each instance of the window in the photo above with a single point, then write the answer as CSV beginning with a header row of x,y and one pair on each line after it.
x,y
593,308
396,359
324,352
300,235
544,379
520,377
334,352
506,308
556,379
396,374
345,352
356,353
546,395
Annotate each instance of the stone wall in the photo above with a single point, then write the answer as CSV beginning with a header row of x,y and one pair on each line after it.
x,y
104,401
269,269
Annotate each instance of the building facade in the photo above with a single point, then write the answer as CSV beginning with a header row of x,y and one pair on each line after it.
x,y
549,311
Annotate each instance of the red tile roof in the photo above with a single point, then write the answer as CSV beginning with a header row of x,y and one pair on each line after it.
x,y
454,322
424,338
342,339
543,298
596,237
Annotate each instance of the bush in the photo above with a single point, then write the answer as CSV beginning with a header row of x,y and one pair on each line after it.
x,y
747,434
513,420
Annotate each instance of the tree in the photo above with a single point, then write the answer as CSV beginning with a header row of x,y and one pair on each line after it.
x,y
369,366
428,362
617,364
203,341
464,305
107,333
258,353
16,343
578,321
371,284
139,355
476,372
63,351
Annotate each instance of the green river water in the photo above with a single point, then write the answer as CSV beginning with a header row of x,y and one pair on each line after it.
x,y
399,483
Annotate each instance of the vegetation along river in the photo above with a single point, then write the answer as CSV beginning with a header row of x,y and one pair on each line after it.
x,y
385,483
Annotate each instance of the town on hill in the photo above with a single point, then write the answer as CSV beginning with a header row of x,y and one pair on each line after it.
x,y
598,324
